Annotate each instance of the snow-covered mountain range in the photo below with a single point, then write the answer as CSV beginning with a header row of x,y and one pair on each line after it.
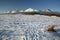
x,y
29,10
34,11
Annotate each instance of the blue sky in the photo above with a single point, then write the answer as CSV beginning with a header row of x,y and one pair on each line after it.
x,y
6,5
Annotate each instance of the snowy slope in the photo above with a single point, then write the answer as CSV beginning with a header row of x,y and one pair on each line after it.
x,y
28,27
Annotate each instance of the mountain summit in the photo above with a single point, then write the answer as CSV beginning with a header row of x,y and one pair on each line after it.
x,y
47,10
30,10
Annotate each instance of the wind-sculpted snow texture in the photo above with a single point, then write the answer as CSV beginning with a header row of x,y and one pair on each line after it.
x,y
28,27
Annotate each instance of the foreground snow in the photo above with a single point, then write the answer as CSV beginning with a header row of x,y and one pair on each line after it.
x,y
28,27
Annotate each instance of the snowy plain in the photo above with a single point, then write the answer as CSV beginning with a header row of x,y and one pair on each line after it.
x,y
28,27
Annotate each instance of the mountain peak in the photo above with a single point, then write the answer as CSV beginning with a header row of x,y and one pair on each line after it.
x,y
47,10
30,10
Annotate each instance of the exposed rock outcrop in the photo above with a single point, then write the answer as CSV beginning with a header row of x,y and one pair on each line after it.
x,y
51,28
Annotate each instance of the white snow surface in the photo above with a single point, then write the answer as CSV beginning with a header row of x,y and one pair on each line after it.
x,y
28,27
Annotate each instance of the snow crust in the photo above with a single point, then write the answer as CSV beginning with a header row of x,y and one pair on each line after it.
x,y
28,27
